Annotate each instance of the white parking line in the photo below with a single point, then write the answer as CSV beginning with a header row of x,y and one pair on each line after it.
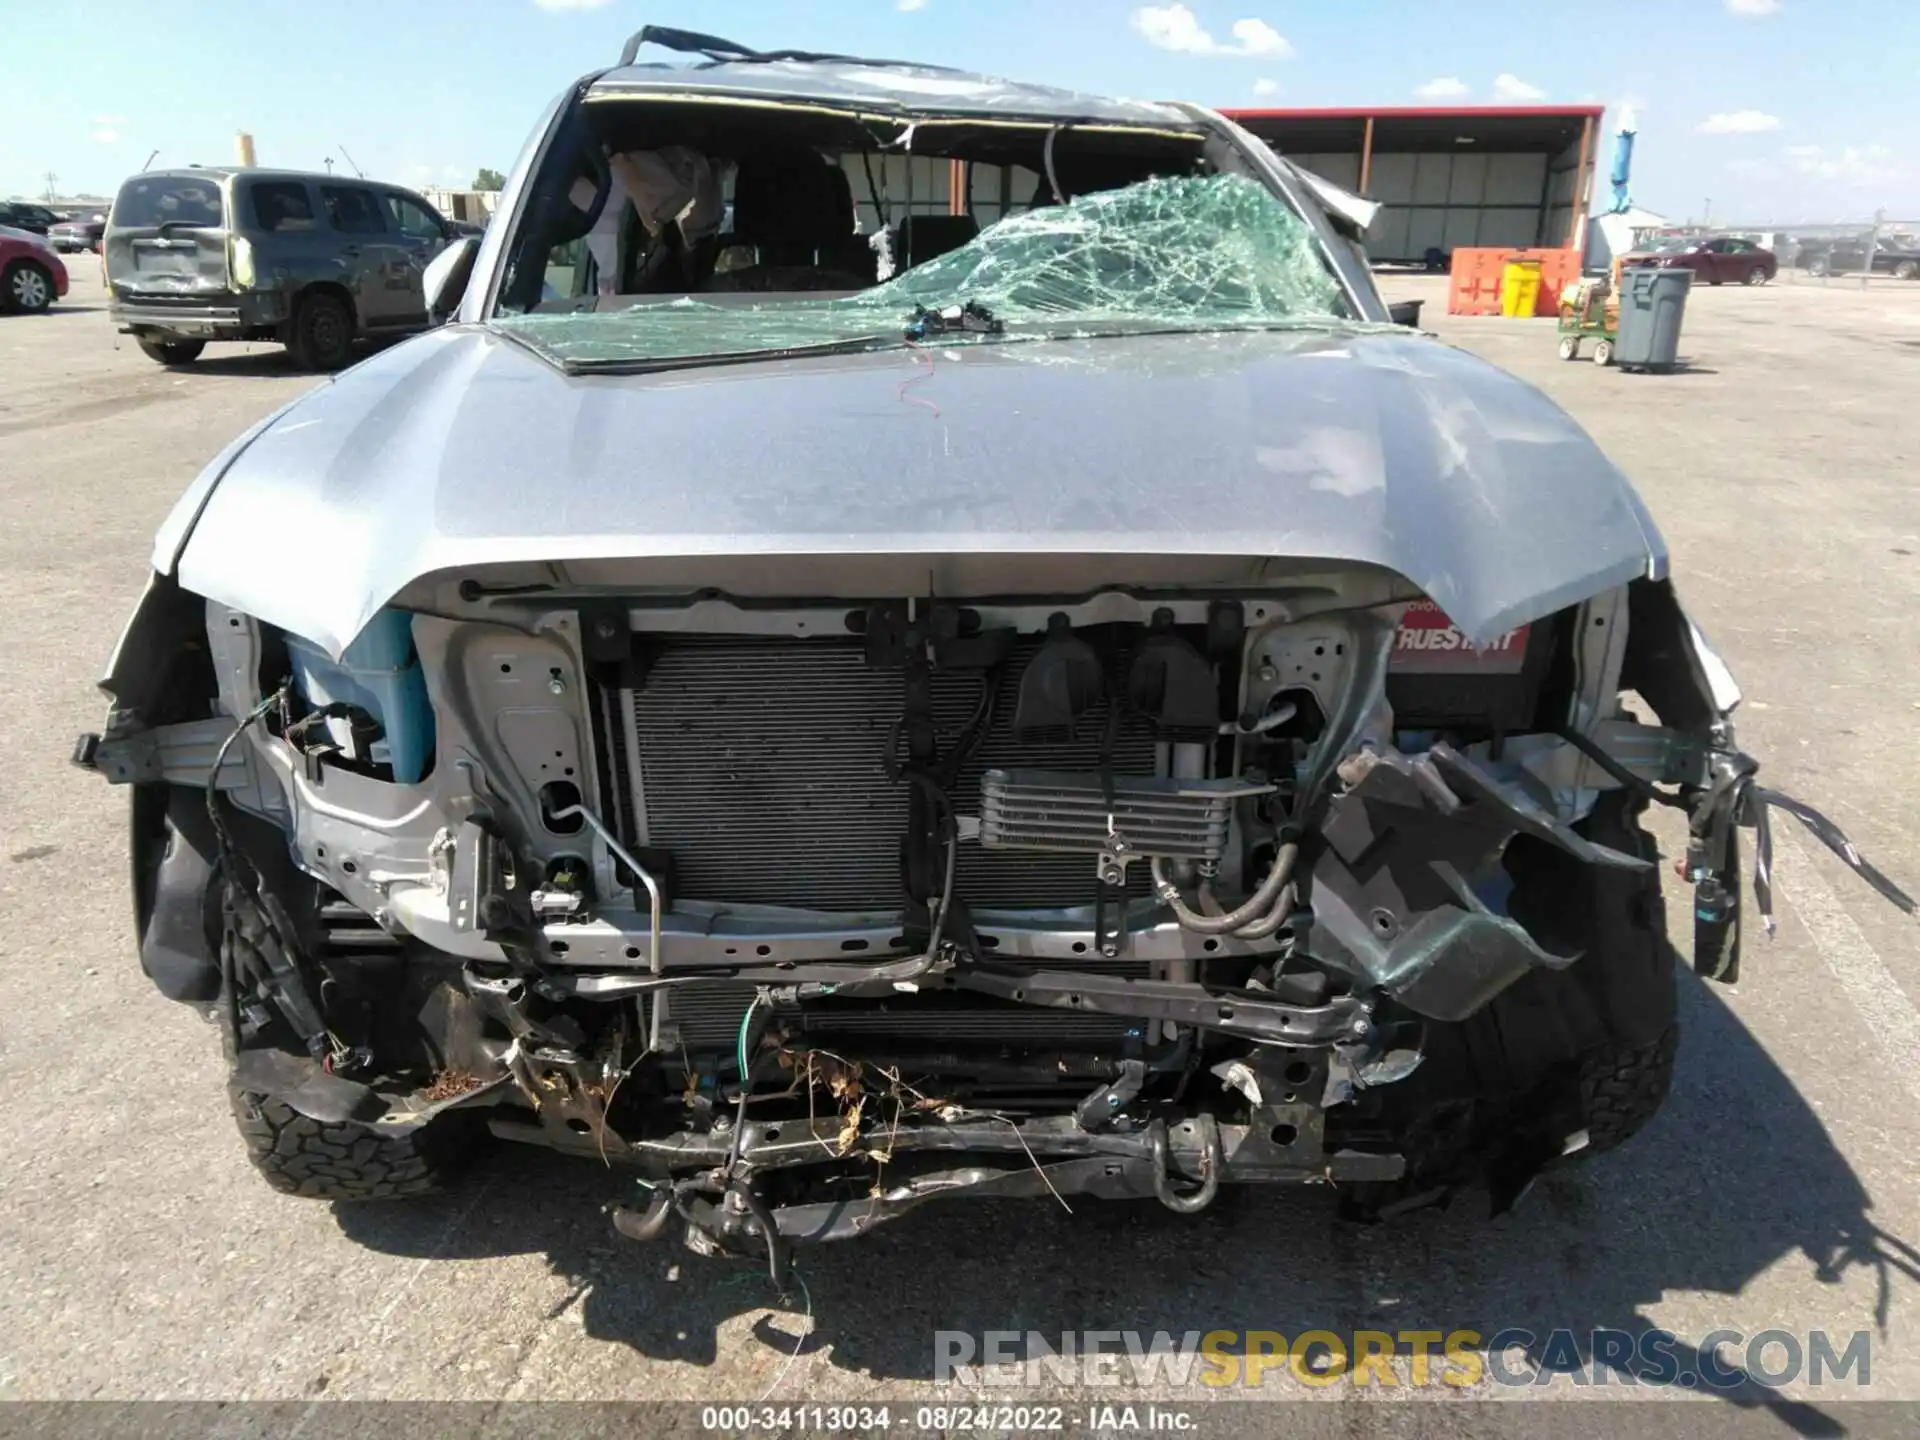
x,y
1879,998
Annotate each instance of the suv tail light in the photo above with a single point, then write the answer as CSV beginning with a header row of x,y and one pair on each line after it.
x,y
240,262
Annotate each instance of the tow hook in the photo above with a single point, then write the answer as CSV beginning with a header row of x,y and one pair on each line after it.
x,y
1212,1161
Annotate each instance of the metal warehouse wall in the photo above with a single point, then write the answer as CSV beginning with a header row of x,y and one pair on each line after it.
x,y
1448,178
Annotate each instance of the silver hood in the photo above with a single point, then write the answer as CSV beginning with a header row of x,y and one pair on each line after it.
x,y
462,449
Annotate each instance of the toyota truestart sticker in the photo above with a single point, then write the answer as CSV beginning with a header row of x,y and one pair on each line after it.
x,y
1428,642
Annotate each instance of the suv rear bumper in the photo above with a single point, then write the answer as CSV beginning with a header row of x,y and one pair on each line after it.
x,y
213,317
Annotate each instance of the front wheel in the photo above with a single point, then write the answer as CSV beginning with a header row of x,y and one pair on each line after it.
x,y
26,288
1758,275
1906,270
1603,353
1819,267
1570,349
171,352
298,1155
1562,1064
322,333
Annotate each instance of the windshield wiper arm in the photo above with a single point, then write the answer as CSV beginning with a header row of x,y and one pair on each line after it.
x,y
648,364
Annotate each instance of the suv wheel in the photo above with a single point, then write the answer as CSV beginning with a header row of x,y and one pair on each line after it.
x,y
171,352
298,1155
322,334
1590,1047
26,288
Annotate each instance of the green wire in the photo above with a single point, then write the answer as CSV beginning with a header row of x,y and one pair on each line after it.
x,y
740,1044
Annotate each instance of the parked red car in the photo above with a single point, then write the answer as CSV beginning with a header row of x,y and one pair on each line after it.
x,y
1714,261
32,277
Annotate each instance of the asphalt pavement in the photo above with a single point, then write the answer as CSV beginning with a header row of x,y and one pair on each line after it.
x,y
141,1257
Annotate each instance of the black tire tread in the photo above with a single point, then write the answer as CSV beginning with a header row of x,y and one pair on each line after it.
x,y
1622,1087
299,1155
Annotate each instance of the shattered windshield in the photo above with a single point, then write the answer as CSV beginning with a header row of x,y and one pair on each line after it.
x,y
1187,253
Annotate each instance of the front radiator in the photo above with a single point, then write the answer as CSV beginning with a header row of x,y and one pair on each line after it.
x,y
758,763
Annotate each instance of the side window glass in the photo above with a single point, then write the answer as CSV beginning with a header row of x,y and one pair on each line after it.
x,y
353,211
411,220
566,271
283,205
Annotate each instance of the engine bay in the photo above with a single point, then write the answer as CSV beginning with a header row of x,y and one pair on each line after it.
x,y
1140,891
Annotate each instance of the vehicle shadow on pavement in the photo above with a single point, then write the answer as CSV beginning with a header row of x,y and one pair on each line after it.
x,y
1734,1176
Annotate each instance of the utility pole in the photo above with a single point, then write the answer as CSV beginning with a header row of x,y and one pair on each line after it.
x,y
328,162
50,177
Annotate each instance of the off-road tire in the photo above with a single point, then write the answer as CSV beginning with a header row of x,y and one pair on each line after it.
x,y
320,336
1622,1087
299,1155
26,288
171,352
1590,1047
1610,1021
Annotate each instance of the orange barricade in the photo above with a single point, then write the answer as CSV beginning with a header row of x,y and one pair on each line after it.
x,y
1474,287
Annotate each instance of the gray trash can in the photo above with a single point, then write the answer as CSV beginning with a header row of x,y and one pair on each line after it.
x,y
1653,301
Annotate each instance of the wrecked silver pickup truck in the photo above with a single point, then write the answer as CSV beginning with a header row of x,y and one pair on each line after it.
x,y
835,706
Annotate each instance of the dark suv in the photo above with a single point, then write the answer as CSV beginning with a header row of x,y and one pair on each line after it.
x,y
313,262
25,215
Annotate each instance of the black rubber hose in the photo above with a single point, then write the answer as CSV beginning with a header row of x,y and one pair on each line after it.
x,y
776,1246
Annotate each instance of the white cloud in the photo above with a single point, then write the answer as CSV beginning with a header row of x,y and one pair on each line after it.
x,y
107,135
1446,87
1256,37
909,5
1515,91
569,4
1264,86
1753,7
1865,167
1739,122
1175,27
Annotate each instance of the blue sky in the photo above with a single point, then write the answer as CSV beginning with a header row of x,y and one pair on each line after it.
x,y
1776,109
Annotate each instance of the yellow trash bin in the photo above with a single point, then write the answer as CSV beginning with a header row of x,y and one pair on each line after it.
x,y
1520,288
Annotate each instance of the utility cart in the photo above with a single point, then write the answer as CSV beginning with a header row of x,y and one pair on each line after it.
x,y
1589,310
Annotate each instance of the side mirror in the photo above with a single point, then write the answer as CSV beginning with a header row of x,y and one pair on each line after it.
x,y
446,278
